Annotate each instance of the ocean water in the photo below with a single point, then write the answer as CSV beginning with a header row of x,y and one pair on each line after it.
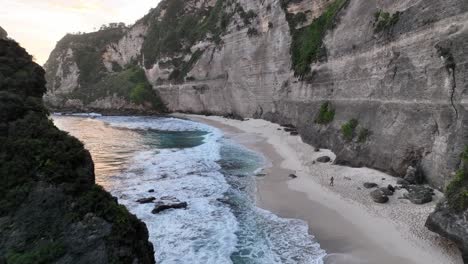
x,y
195,163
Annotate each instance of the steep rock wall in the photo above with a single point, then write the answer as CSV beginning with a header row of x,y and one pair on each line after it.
x,y
405,84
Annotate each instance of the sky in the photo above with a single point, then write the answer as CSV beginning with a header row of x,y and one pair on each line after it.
x,y
38,24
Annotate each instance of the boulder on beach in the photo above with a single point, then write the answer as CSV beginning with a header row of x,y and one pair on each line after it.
x,y
324,159
316,149
370,185
403,182
419,194
294,133
146,200
151,190
379,196
292,176
391,188
386,191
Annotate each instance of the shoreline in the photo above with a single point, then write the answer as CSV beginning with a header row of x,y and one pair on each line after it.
x,y
346,222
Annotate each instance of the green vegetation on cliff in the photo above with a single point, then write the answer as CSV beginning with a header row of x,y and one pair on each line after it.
x,y
50,207
349,129
130,84
180,27
457,191
384,20
307,42
87,52
326,114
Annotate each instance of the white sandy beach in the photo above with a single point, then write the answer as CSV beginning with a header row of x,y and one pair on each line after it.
x,y
344,219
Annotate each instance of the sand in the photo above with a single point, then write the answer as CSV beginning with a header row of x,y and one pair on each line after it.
x,y
343,218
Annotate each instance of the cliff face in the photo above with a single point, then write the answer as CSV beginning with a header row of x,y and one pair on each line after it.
x,y
381,83
401,74
51,211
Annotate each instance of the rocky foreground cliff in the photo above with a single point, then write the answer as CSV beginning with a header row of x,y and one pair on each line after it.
x,y
381,83
51,211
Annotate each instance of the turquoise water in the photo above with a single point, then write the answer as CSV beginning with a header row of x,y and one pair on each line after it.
x,y
197,164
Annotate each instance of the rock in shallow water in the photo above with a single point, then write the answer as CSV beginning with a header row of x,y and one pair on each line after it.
x,y
146,200
168,203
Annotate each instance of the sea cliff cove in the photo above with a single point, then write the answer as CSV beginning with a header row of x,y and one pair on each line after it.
x,y
234,132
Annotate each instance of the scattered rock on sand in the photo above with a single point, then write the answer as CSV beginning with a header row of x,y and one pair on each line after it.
x,y
403,182
317,150
294,133
324,159
386,191
391,188
379,196
419,194
292,176
370,185
170,203
151,190
146,200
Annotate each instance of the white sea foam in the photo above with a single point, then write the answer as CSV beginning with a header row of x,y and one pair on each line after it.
x,y
205,232
86,114
162,123
208,231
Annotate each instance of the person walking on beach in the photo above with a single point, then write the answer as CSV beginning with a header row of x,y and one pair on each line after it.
x,y
332,181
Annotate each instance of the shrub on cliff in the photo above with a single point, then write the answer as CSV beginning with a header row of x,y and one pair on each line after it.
x,y
349,128
307,42
457,190
384,20
326,114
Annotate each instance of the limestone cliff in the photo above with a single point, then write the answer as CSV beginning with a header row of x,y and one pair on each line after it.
x,y
51,211
398,67
381,83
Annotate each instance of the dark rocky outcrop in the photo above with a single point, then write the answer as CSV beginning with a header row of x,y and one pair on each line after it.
x,y
51,211
450,224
